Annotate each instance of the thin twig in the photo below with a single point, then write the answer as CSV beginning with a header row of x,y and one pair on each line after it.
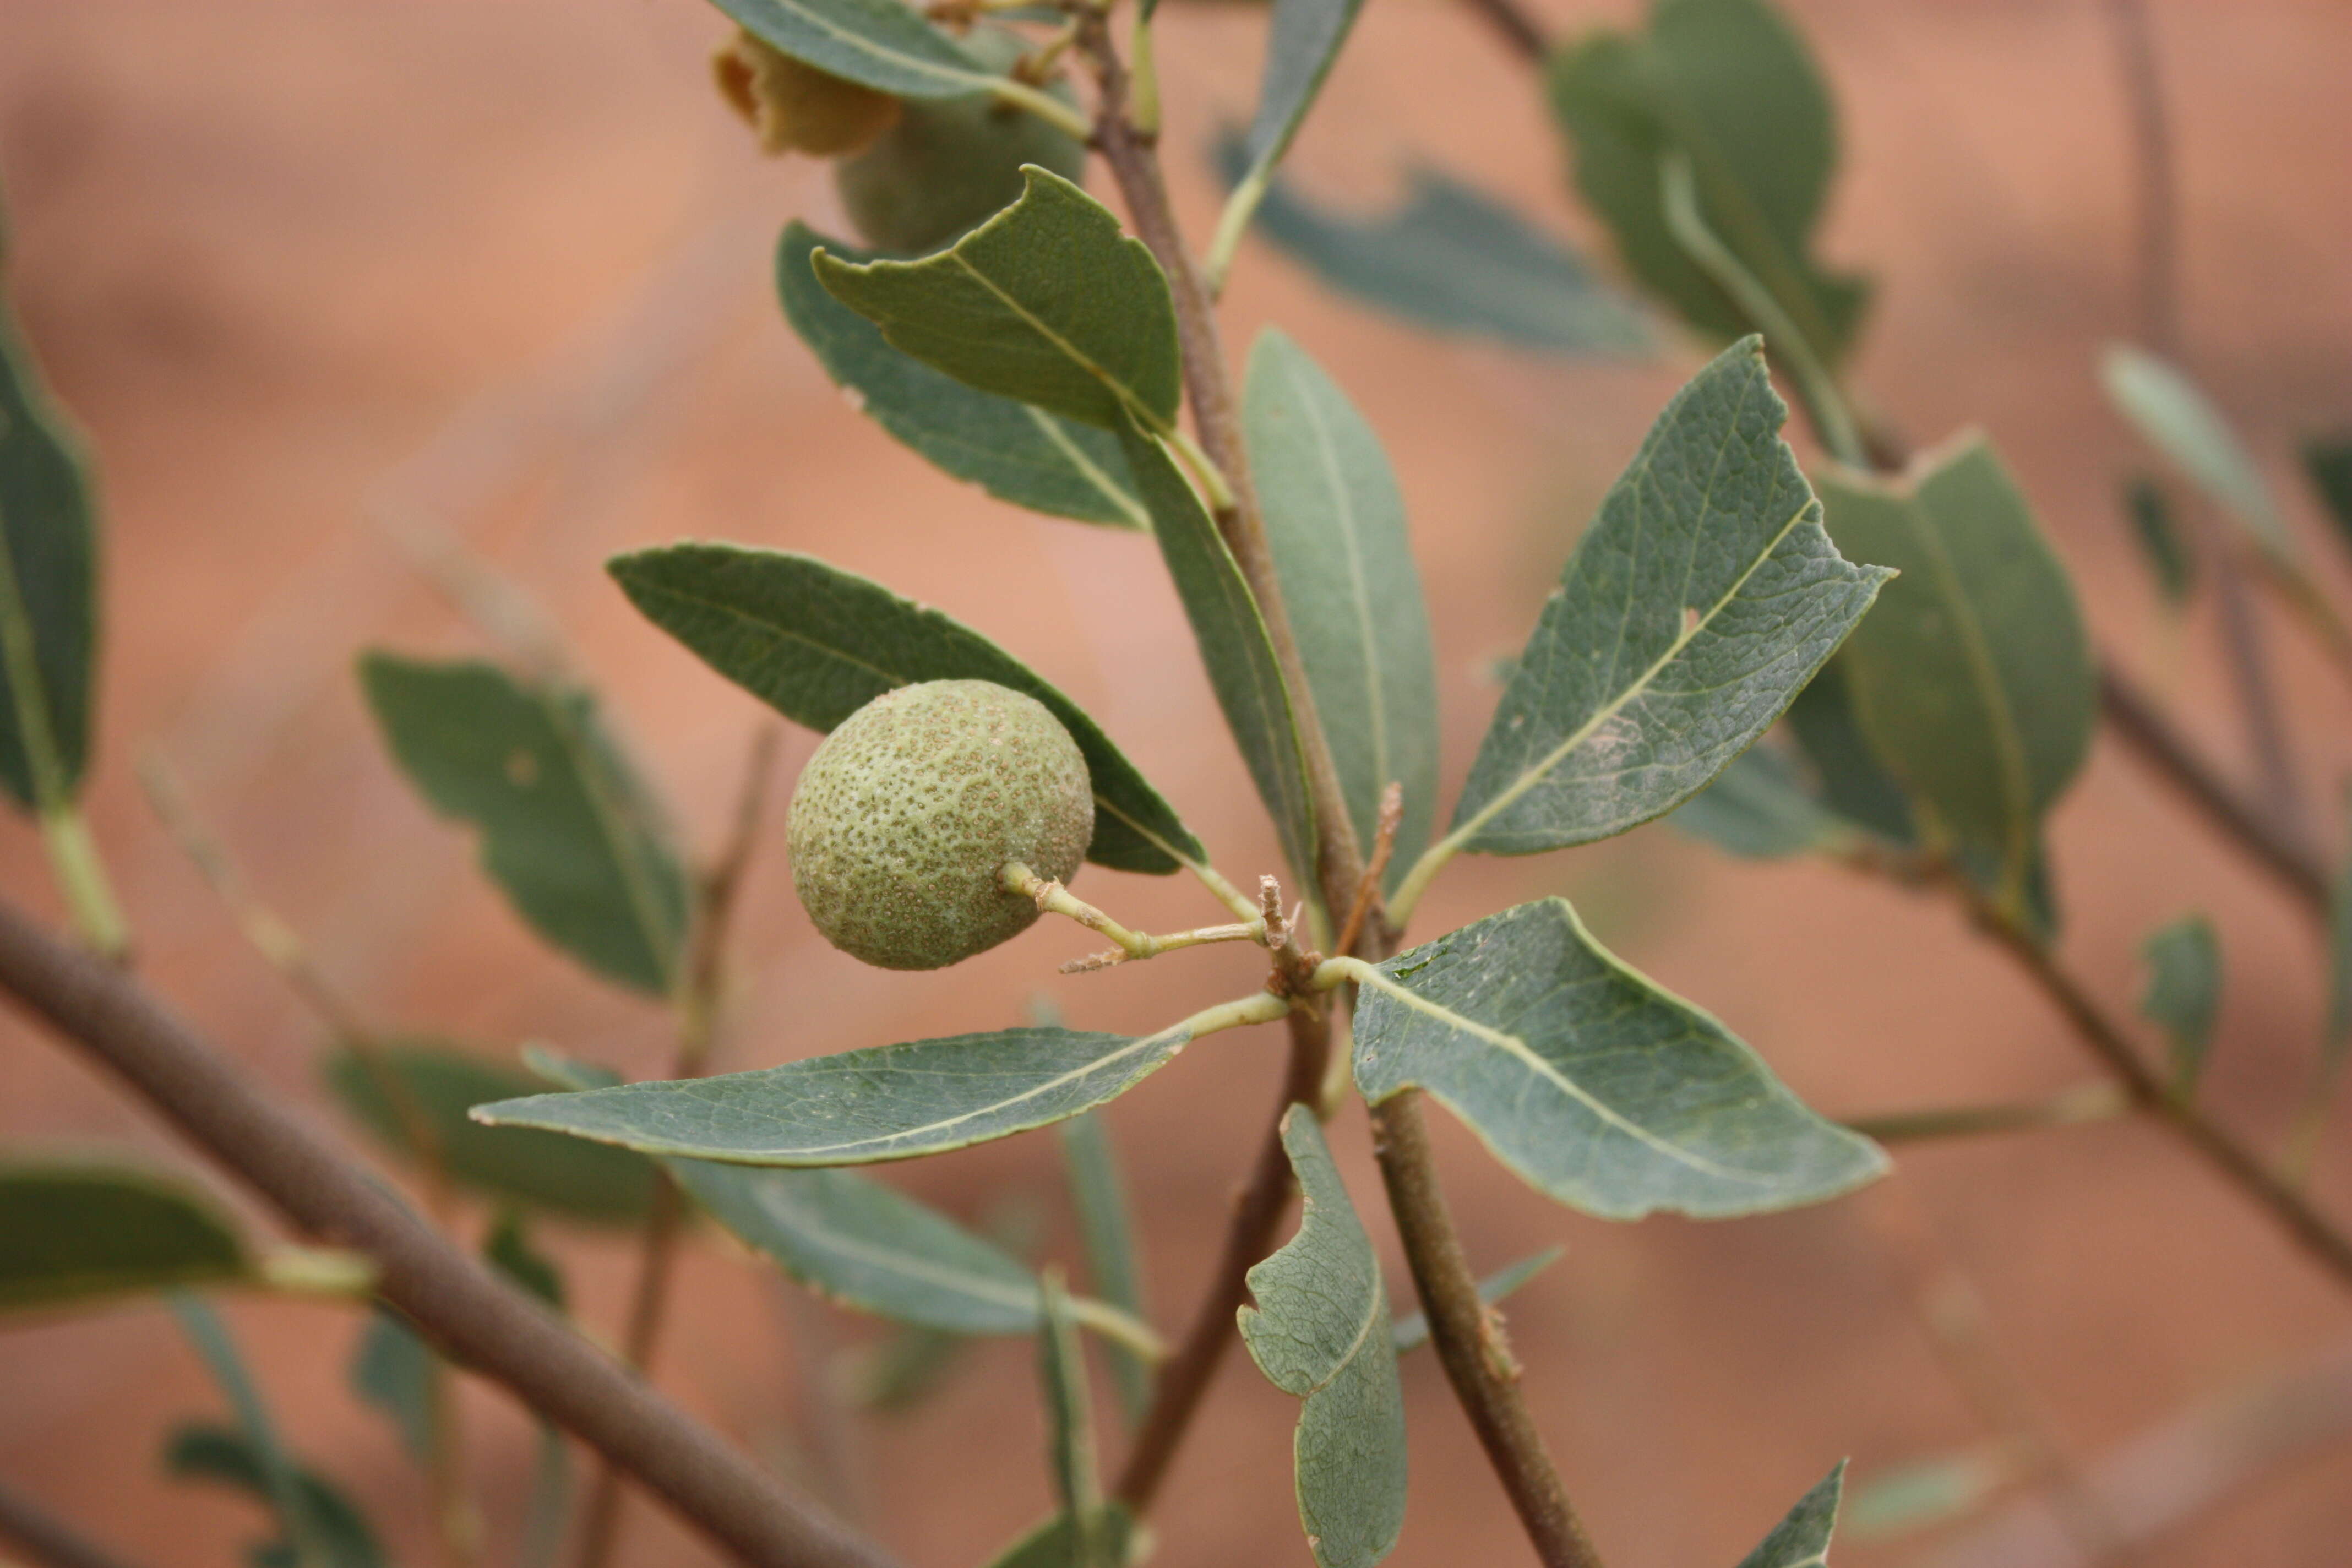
x,y
48,1539
2276,844
1368,889
2315,1232
699,994
476,1318
1492,1400
2070,1108
1184,1378
1514,25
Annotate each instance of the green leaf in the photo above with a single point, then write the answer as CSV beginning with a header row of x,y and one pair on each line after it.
x,y
2173,414
1320,1331
2327,460
1070,1428
1411,1330
560,1175
1335,523
884,45
48,585
1013,451
1802,1539
1853,787
1234,647
568,830
2162,544
816,644
1700,603
1596,1087
78,1233
510,1250
392,1371
332,1526
1728,85
867,1245
2184,993
1303,42
1923,1495
1454,259
1972,680
1051,1544
1106,1229
1759,809
1047,302
888,1103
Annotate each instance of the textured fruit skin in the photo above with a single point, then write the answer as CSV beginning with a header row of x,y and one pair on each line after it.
x,y
907,813
949,165
796,107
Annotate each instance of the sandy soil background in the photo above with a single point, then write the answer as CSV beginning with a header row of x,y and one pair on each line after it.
x,y
304,268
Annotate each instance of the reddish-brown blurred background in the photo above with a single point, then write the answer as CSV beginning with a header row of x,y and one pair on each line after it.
x,y
303,268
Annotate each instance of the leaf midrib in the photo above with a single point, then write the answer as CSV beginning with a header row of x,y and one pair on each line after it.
x,y
1128,399
977,79
911,1265
1514,1046
1359,599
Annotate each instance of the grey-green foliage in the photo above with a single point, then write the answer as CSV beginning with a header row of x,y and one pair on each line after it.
x,y
392,1371
48,583
1596,1087
1802,1540
1700,603
1453,258
2184,993
817,643
1051,1544
1234,647
1303,40
867,1245
1728,85
883,44
1106,1229
1070,1429
1972,680
2173,414
1335,521
1320,1331
888,1103
440,1083
1015,451
1924,1494
1760,808
2156,527
334,1532
943,166
1411,1330
78,1233
2327,461
1047,302
568,829
1854,788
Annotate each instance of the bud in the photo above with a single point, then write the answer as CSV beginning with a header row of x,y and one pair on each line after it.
x,y
795,107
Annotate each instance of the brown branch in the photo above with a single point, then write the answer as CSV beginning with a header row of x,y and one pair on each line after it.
x,y
1491,1398
2310,1229
1514,27
2276,844
1258,1211
47,1538
1469,1341
476,1318
699,994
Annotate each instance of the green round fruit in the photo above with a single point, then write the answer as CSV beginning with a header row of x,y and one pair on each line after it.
x,y
906,815
949,165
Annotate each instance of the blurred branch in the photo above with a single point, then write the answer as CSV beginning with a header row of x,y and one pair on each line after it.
x,y
49,1541
2068,1108
1515,25
476,1318
699,994
2169,1475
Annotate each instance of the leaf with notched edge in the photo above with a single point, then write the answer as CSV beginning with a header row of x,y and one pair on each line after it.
x,y
1047,302
1597,1088
1693,610
1015,451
